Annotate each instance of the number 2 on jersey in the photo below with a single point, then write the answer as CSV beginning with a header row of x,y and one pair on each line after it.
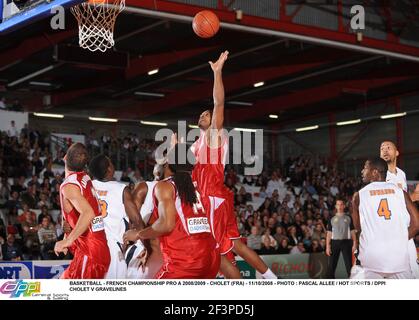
x,y
383,210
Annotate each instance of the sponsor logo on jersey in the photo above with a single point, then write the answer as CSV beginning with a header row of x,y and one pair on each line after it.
x,y
198,225
98,224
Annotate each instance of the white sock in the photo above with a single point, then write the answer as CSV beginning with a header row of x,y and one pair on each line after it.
x,y
269,275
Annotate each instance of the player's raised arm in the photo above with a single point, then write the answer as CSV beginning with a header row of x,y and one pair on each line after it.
x,y
218,92
414,216
355,212
72,193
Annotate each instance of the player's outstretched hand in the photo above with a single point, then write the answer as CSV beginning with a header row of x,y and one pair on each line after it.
x,y
130,235
62,246
143,258
218,65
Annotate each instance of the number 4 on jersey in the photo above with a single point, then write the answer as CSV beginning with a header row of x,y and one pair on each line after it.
x,y
383,210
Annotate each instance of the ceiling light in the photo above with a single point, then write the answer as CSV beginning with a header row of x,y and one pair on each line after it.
x,y
103,119
154,71
245,129
149,94
240,103
307,128
345,123
48,115
151,123
393,115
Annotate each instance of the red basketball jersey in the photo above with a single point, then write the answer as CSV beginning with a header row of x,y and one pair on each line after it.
x,y
208,172
93,242
190,244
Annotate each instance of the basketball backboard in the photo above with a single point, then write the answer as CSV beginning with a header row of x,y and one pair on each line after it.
x,y
13,18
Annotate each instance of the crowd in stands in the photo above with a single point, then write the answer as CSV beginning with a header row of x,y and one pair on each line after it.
x,y
298,200
284,210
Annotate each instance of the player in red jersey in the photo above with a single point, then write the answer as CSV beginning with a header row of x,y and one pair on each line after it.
x,y
211,150
80,208
181,224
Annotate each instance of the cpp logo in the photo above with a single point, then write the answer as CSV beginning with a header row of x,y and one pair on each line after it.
x,y
18,288
15,270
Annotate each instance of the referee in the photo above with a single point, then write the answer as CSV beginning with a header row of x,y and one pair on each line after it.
x,y
341,237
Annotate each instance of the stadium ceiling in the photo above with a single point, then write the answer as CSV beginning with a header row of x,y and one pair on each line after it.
x,y
305,69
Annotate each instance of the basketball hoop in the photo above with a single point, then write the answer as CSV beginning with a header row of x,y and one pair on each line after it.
x,y
96,19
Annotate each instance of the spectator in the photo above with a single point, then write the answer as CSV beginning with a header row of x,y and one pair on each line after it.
x,y
59,159
272,241
298,249
319,232
43,201
334,191
12,130
4,191
137,177
315,247
254,240
34,182
14,202
12,219
45,214
267,247
31,196
240,225
262,193
26,212
37,164
248,180
30,237
19,185
47,238
11,250
47,172
25,131
283,247
3,105
292,236
279,234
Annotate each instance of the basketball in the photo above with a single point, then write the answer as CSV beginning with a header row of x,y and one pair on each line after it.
x,y
205,24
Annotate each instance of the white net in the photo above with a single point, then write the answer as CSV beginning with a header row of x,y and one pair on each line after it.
x,y
96,20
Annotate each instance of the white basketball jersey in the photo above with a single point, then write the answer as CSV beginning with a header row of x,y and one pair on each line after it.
x,y
148,205
111,201
384,235
399,179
